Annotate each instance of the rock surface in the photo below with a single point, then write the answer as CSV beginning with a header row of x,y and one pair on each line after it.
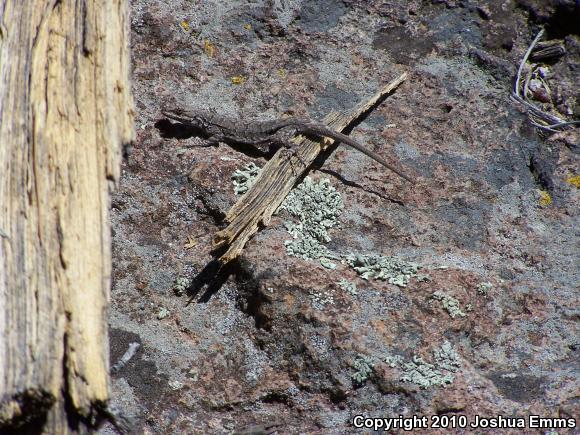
x,y
488,326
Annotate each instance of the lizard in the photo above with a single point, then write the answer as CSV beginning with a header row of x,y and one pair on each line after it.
x,y
222,129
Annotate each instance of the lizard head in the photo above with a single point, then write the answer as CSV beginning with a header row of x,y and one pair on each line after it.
x,y
196,120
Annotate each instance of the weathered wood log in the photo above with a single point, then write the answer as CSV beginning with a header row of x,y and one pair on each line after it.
x,y
65,111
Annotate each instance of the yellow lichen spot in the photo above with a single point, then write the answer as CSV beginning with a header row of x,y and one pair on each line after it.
x,y
208,48
545,198
574,181
238,80
184,25
248,26
282,73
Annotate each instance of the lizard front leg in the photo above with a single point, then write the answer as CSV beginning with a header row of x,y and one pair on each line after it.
x,y
214,136
284,138
207,142
213,140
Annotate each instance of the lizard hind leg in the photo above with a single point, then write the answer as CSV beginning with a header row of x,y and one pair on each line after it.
x,y
212,141
284,138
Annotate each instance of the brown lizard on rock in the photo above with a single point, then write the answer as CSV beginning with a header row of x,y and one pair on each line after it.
x,y
280,131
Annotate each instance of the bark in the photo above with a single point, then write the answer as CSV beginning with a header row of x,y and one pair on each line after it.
x,y
65,111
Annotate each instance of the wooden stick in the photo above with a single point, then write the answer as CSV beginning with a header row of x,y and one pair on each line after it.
x,y
277,178
66,110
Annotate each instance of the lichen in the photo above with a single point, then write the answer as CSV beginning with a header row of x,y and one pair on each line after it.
x,y
391,269
327,263
450,304
184,25
364,369
484,288
244,178
446,357
424,374
347,286
545,198
208,48
423,278
307,248
238,80
574,180
175,385
393,360
420,372
181,284
163,313
317,206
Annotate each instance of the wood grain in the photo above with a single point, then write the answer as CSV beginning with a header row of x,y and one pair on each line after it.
x,y
65,111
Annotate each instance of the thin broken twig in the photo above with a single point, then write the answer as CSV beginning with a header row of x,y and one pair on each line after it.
x,y
524,60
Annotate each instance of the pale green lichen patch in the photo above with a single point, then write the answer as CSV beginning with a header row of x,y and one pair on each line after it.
x,y
244,178
364,369
393,360
317,206
390,269
450,304
420,372
484,288
327,263
181,284
446,357
162,313
347,286
307,248
424,374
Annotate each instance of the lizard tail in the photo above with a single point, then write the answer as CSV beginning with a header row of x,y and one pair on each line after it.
x,y
339,137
